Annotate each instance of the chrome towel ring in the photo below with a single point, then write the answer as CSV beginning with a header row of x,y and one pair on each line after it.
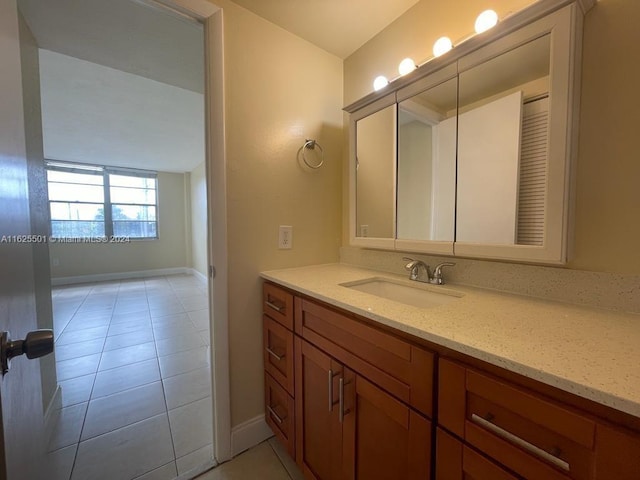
x,y
311,145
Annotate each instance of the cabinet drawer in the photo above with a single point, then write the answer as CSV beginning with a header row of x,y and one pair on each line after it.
x,y
280,413
398,367
278,352
530,435
278,304
456,461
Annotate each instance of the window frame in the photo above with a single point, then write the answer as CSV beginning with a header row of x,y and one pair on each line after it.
x,y
107,205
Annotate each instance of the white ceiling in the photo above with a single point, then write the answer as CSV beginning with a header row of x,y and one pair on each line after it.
x,y
127,35
99,115
337,26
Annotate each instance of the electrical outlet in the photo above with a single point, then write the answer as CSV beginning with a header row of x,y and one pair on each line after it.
x,y
364,230
285,237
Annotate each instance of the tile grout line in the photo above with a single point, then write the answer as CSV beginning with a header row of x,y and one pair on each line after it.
x,y
164,393
95,376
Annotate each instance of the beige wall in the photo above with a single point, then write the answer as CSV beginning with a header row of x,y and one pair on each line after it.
x,y
279,90
168,251
413,35
198,214
606,232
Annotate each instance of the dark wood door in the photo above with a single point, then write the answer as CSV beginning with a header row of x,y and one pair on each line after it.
x,y
318,428
384,439
21,439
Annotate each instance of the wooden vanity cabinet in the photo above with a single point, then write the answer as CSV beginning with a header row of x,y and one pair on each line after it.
x,y
353,401
524,433
363,398
278,358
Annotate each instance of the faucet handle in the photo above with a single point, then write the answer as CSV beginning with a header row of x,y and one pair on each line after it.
x,y
437,273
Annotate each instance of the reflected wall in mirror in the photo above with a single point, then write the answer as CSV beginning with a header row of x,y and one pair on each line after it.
x,y
427,164
375,174
503,147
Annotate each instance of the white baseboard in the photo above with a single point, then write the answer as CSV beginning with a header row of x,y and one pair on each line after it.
x,y
249,434
199,276
52,411
105,277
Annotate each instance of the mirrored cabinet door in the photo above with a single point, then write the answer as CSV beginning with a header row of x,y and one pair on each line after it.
x,y
427,123
516,142
503,147
375,176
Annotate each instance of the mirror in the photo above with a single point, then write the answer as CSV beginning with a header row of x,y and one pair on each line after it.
x,y
375,174
427,164
503,128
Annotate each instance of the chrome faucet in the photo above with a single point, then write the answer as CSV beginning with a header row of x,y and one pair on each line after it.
x,y
417,270
416,267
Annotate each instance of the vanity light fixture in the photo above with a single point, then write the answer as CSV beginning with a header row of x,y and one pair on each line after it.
x,y
406,66
380,82
486,20
442,46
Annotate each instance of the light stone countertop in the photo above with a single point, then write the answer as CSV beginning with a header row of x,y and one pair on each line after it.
x,y
593,353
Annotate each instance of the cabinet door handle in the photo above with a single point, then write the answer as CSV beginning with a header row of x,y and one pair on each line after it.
x,y
520,442
330,388
275,415
274,306
274,354
341,385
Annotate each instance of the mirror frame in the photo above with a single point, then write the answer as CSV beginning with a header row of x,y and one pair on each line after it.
x,y
563,20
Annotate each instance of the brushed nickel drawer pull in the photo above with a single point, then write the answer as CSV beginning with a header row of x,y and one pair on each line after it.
x,y
520,442
275,415
342,413
277,308
330,388
274,354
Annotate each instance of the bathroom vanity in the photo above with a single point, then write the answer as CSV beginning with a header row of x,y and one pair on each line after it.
x,y
483,385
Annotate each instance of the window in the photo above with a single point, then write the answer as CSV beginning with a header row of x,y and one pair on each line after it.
x,y
92,201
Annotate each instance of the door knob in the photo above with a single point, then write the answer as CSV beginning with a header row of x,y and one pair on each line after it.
x,y
35,345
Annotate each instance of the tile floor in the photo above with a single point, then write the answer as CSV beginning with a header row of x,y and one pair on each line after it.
x,y
133,364
267,461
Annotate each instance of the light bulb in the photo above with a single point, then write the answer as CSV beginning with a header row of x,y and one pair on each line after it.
x,y
406,66
380,82
442,46
486,20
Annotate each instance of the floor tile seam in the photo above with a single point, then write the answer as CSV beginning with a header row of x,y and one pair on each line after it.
x,y
186,371
73,315
157,468
80,356
180,351
191,403
86,412
126,364
128,424
284,467
164,395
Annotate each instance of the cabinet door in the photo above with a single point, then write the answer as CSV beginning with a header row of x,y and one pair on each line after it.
x,y
384,439
318,427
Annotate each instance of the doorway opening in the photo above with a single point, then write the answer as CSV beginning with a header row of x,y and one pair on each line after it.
x,y
131,306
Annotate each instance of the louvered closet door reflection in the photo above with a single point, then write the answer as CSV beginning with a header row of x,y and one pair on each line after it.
x,y
533,172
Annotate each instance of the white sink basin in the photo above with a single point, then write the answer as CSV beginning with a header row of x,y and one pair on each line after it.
x,y
410,293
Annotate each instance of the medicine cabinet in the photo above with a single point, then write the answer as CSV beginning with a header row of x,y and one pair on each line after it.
x,y
472,153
